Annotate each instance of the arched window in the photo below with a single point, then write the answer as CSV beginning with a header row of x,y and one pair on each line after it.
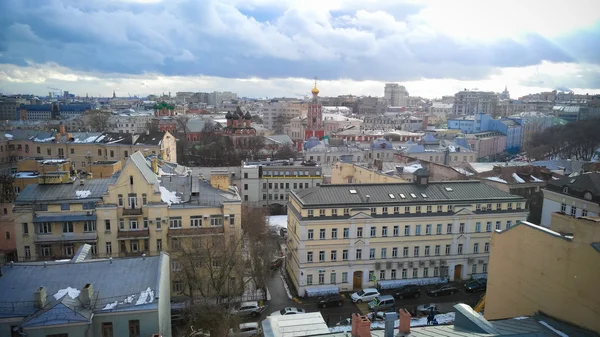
x,y
130,180
565,189
587,196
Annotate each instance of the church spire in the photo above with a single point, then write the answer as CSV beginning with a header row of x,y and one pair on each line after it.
x,y
315,90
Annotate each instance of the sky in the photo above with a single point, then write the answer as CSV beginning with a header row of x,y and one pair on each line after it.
x,y
274,48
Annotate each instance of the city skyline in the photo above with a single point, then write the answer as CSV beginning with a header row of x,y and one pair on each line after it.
x,y
268,48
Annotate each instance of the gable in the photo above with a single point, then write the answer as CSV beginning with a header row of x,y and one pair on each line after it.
x,y
361,215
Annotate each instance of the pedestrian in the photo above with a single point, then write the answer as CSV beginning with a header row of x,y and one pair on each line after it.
x,y
430,317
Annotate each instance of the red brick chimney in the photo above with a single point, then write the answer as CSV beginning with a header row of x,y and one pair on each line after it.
x,y
404,327
361,326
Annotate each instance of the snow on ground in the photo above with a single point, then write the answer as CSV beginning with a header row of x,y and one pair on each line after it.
x,y
497,180
146,296
110,306
73,293
517,178
278,221
168,196
83,194
556,331
287,289
414,322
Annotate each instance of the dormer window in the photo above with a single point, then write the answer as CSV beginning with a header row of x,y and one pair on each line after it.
x,y
587,196
565,189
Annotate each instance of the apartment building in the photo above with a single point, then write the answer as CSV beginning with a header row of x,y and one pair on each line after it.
x,y
276,113
346,236
84,148
577,195
472,102
137,210
269,183
439,151
395,94
131,123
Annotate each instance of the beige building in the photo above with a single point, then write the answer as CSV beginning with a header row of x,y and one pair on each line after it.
x,y
554,271
135,212
355,173
346,236
577,195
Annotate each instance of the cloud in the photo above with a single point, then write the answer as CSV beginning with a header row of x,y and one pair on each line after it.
x,y
334,39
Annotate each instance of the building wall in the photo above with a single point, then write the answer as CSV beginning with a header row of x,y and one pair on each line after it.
x,y
553,202
531,271
8,244
149,323
455,158
349,173
299,245
164,300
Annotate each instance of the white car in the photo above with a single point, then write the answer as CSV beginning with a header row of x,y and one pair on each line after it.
x,y
251,308
246,330
427,308
364,295
288,311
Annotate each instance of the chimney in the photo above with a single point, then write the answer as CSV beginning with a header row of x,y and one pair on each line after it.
x,y
39,296
86,294
404,327
361,326
61,129
155,165
390,318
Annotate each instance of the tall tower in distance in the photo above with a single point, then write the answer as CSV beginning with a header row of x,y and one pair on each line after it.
x,y
395,94
314,116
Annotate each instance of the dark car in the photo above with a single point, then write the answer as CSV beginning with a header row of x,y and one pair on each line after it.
x,y
407,291
276,263
476,285
442,290
330,301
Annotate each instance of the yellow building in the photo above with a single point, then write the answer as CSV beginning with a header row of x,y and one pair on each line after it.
x,y
352,173
135,212
348,235
554,271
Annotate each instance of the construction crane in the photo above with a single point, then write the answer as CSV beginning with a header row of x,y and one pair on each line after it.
x,y
56,92
481,305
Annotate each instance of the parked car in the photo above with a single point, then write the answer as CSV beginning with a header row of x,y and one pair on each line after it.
x,y
288,311
476,285
251,308
364,295
330,300
426,308
344,322
407,291
382,303
246,330
276,263
445,289
379,316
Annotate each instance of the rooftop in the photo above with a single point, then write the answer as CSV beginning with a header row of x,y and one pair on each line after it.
x,y
358,194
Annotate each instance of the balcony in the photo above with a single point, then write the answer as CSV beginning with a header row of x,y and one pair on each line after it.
x,y
66,237
132,211
199,231
133,234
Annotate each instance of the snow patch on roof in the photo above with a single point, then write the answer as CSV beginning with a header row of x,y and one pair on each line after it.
x,y
83,194
414,322
556,331
110,306
536,180
73,293
8,136
53,161
517,178
146,296
168,196
412,168
520,318
496,179
90,139
163,173
43,140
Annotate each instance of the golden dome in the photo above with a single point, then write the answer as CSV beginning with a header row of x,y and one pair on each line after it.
x,y
314,90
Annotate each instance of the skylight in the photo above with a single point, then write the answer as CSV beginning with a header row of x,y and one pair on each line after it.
x,y
402,196
392,196
424,195
352,191
448,189
413,195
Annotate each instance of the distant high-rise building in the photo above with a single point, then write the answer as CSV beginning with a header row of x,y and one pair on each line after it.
x,y
471,102
395,94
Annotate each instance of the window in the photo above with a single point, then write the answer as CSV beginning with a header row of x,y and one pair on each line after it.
x,y
447,249
49,152
334,233
478,207
393,274
120,197
486,247
373,210
309,280
177,286
334,255
384,210
584,212
134,246
25,228
508,224
310,212
309,257
406,209
333,278
65,207
334,212
563,208
322,234
573,210
132,200
488,226
39,150
477,227
415,272
498,225
396,210
346,211
461,227
426,250
437,250
345,255
175,222
382,274
359,254
321,212
498,207
449,228
428,209
418,209
345,277
405,252
45,250
159,244
321,278
394,252
485,267
460,248
475,248
436,271
89,226
145,221
158,224
418,230
425,272
196,221
311,234
373,232
321,256
133,224
107,329
396,230
109,248
371,273
371,253
407,230
439,208
416,251
404,273
384,231
7,235
346,233
474,269
134,327
68,227
359,232
438,229
509,206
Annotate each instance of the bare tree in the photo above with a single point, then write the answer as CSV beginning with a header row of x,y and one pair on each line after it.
x,y
7,191
261,243
286,151
252,146
182,142
97,121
